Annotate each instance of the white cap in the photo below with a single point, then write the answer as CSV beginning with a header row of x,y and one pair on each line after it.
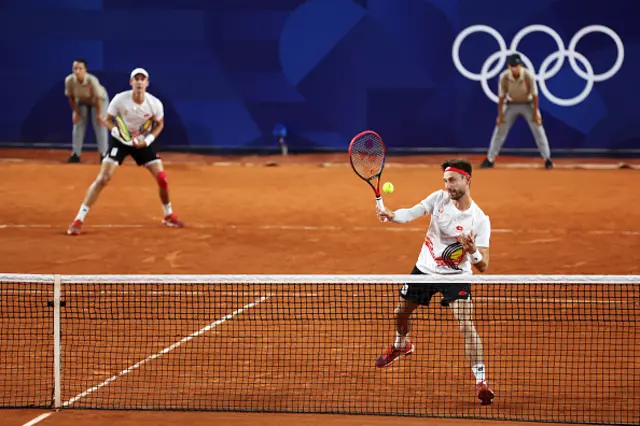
x,y
139,71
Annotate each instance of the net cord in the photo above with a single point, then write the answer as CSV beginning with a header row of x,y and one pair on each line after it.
x,y
319,279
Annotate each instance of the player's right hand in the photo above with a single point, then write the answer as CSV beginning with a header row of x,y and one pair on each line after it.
x,y
75,118
139,142
500,120
385,215
115,132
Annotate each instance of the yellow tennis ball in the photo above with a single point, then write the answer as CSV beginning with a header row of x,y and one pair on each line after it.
x,y
387,188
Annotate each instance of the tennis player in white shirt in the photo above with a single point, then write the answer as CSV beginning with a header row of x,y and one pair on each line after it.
x,y
136,108
457,241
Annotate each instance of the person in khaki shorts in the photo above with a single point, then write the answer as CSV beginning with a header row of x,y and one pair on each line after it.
x,y
517,85
85,92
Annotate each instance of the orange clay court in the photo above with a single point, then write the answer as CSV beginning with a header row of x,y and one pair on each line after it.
x,y
304,215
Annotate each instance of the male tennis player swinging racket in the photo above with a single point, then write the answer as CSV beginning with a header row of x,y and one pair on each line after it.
x,y
457,238
135,107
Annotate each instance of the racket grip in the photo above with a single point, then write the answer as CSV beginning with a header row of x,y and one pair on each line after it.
x,y
380,205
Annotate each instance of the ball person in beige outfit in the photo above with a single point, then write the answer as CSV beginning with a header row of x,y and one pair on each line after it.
x,y
518,95
86,93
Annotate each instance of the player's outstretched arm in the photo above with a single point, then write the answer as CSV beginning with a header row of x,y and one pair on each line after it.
x,y
401,215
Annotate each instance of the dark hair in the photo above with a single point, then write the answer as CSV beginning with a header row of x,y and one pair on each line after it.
x,y
514,59
82,61
458,164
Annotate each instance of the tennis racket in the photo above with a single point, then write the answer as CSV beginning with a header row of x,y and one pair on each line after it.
x,y
127,137
367,155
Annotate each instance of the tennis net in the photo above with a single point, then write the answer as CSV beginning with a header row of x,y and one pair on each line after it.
x,y
556,348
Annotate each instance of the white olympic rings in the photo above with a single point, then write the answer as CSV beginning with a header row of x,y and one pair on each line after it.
x,y
547,70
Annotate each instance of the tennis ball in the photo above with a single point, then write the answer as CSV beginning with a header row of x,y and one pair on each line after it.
x,y
387,188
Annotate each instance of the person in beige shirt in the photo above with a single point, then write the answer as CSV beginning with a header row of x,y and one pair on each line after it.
x,y
85,92
518,95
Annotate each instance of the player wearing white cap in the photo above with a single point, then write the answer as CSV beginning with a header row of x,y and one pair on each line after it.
x,y
142,116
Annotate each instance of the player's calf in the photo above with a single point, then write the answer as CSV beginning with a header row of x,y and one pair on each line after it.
x,y
170,219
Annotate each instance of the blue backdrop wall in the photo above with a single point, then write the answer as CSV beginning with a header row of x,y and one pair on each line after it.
x,y
229,70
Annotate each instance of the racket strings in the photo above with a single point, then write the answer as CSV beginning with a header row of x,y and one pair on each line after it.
x,y
367,156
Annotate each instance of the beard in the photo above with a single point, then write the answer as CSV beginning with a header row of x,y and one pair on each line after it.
x,y
455,195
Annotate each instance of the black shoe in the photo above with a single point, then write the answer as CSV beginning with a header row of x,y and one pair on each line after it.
x,y
73,159
548,164
486,164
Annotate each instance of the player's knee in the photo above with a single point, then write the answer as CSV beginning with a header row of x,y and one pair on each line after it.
x,y
103,179
162,180
401,311
466,326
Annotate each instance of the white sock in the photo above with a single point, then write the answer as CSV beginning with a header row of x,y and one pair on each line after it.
x,y
167,209
478,371
401,341
82,213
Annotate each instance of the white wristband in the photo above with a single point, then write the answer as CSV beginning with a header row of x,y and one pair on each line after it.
x,y
149,139
476,257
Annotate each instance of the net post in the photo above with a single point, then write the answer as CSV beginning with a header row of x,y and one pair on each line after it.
x,y
57,291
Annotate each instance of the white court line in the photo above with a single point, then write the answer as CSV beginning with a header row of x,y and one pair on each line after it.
x,y
165,350
324,228
38,419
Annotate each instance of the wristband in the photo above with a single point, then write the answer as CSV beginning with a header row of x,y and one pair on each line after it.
x,y
149,139
476,257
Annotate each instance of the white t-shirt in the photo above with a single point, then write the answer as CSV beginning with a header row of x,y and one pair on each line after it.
x,y
133,114
447,223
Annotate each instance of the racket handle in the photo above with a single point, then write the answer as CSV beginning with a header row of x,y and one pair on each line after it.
x,y
380,205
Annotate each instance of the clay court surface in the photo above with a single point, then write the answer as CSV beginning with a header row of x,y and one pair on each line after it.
x,y
301,215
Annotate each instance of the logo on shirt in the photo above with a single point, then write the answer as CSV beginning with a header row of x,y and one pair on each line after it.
x,y
453,255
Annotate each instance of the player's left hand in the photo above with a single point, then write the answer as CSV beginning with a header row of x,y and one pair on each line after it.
x,y
468,242
139,143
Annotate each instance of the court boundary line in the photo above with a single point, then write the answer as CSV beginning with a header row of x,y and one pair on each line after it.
x,y
166,350
150,358
38,419
629,163
320,228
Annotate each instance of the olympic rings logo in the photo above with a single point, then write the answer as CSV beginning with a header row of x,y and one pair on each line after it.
x,y
546,71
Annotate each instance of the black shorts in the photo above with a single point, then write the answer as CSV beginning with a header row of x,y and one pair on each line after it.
x,y
119,151
422,293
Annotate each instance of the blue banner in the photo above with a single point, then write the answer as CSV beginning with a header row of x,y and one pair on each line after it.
x,y
423,73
